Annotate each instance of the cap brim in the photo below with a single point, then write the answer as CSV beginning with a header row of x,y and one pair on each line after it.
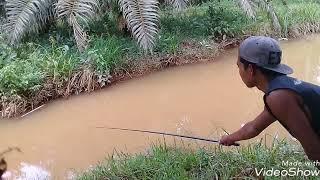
x,y
281,68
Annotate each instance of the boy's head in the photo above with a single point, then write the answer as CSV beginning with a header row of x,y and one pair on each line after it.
x,y
260,56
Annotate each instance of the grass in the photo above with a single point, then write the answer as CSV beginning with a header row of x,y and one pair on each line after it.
x,y
29,69
52,60
211,19
164,162
306,18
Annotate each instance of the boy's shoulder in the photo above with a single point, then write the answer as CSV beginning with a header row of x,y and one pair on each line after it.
x,y
283,102
296,85
282,96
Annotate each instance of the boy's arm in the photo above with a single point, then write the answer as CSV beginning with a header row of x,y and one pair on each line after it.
x,y
250,129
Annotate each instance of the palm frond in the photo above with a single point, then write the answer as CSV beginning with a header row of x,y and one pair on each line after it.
x,y
78,13
26,16
2,8
272,14
284,2
142,18
178,4
247,7
80,35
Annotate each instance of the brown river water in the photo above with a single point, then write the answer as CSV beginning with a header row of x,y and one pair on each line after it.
x,y
196,100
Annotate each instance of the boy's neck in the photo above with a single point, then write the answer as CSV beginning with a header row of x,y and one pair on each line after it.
x,y
262,84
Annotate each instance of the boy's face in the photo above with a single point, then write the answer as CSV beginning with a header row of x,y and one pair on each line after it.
x,y
246,74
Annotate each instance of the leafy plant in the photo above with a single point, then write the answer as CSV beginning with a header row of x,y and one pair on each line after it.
x,y
219,26
168,43
106,54
7,54
20,77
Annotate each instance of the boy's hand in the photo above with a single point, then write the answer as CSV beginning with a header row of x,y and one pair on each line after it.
x,y
227,141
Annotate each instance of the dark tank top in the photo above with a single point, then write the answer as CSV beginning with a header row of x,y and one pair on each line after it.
x,y
309,93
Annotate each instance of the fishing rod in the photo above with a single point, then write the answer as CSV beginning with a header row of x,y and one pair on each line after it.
x,y
168,134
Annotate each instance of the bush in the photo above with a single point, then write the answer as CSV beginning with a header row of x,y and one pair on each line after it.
x,y
168,43
106,54
20,77
25,68
297,15
214,19
7,54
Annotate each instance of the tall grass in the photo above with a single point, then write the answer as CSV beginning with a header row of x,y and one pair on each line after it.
x,y
106,54
304,18
28,70
20,77
211,19
163,162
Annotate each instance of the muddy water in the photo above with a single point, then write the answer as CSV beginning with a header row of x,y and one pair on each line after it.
x,y
194,100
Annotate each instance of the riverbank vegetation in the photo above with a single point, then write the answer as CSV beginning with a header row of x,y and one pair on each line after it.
x,y
49,49
165,162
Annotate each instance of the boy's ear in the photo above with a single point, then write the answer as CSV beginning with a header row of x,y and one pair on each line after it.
x,y
251,69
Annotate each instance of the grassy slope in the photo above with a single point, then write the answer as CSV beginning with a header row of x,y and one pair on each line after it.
x,y
163,162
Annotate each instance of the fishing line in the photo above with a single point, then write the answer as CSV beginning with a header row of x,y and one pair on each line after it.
x,y
166,134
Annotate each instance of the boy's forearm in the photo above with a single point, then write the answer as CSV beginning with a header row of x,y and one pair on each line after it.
x,y
246,132
253,128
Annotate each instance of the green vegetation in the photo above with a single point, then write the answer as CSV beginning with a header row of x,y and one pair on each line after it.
x,y
163,162
306,18
49,65
211,19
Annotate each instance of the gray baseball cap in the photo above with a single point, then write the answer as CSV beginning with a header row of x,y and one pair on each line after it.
x,y
265,52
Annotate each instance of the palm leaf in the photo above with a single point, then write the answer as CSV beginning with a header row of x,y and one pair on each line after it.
x,y
2,8
142,18
178,4
77,13
284,2
272,14
26,16
247,7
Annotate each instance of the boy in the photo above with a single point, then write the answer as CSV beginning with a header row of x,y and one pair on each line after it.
x,y
294,103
